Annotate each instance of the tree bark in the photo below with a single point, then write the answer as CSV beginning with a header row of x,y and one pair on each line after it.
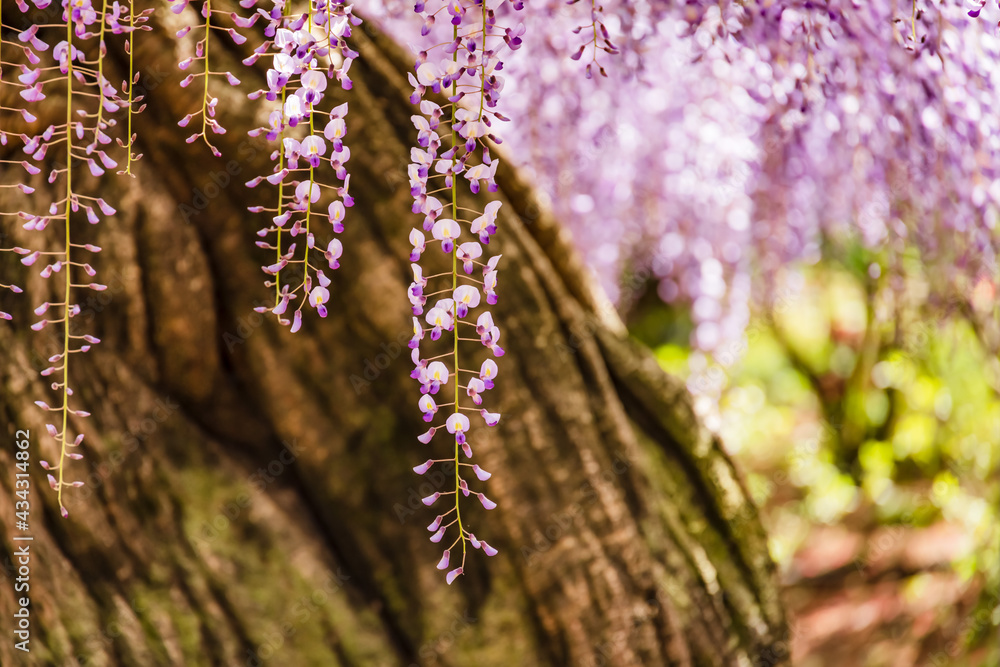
x,y
249,496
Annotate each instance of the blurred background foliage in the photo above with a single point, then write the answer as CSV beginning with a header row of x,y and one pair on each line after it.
x,y
868,425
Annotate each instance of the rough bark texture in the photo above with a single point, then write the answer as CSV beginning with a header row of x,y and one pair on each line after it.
x,y
250,499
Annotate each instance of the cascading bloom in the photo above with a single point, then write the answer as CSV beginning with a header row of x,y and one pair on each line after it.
x,y
202,49
90,101
467,74
307,50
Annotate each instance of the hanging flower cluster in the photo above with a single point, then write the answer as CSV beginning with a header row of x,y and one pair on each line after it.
x,y
597,39
307,50
201,58
469,79
135,22
80,141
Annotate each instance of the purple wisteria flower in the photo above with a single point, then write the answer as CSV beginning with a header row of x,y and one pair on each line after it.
x,y
90,100
466,297
435,375
485,225
446,231
487,372
440,318
467,74
306,50
467,254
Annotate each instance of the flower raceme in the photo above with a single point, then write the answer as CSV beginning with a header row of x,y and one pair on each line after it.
x,y
209,102
466,74
81,141
306,51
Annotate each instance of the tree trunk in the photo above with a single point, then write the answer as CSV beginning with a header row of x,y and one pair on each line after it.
x,y
249,496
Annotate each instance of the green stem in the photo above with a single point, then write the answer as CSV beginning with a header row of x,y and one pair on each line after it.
x,y
204,97
454,286
67,269
131,76
281,194
309,198
312,130
100,74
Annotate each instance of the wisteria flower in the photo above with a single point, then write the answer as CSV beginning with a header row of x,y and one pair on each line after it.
x,y
489,287
320,295
491,265
428,407
333,252
429,161
418,275
417,241
467,252
419,368
435,376
431,209
294,110
481,172
313,85
424,130
487,503
458,424
317,298
487,372
466,297
82,13
312,149
429,75
457,11
485,225
484,323
417,299
423,159
446,230
336,213
418,334
307,189
338,160
474,389
335,130
440,318
491,342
